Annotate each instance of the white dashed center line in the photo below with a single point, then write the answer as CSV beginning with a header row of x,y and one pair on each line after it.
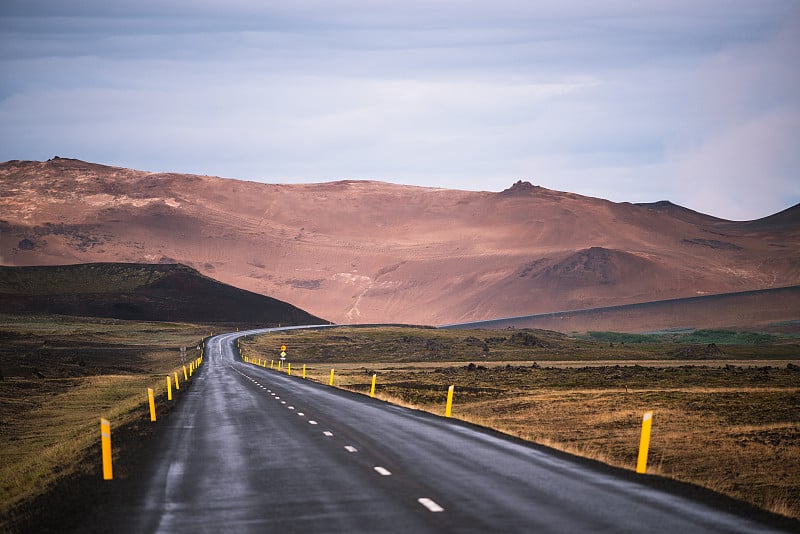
x,y
329,434
382,471
301,414
430,504
312,422
350,448
290,407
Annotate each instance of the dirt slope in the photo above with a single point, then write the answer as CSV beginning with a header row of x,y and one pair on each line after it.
x,y
356,251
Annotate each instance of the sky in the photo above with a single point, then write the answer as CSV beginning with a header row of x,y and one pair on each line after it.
x,y
692,101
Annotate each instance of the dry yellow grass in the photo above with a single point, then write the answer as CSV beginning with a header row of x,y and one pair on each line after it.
x,y
50,425
50,441
740,440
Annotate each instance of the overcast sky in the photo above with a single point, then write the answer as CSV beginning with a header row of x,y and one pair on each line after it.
x,y
697,101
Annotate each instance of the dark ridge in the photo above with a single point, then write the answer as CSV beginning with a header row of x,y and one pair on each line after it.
x,y
788,218
678,212
520,187
713,243
143,292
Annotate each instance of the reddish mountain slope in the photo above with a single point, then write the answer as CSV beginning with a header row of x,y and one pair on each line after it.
x,y
356,251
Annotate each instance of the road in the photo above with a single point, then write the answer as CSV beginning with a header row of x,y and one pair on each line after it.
x,y
253,450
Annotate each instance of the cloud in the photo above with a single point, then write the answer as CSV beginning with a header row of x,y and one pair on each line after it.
x,y
627,101
749,168
741,158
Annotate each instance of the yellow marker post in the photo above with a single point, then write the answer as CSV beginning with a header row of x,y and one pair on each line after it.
x,y
169,387
105,440
191,368
280,365
448,409
644,443
372,388
330,382
185,374
151,398
271,364
289,368
177,386
304,371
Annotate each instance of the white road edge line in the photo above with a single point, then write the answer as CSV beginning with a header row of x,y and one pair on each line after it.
x,y
382,471
430,504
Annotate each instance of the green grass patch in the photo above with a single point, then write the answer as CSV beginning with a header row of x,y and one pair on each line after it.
x,y
621,337
726,337
718,337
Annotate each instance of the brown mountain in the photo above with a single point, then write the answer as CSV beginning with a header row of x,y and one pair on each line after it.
x,y
356,251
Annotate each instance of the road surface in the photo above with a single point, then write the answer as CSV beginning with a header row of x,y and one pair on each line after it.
x,y
253,450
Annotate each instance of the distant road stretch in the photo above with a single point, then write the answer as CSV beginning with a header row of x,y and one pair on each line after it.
x,y
252,450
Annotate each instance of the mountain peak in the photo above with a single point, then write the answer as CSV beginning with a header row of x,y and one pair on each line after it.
x,y
521,187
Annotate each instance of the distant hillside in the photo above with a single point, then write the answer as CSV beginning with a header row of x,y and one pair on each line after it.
x,y
165,292
766,310
373,252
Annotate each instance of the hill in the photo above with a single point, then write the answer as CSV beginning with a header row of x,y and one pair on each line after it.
x,y
174,293
766,310
361,251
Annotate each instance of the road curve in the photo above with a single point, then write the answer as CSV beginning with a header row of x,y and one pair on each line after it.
x,y
253,450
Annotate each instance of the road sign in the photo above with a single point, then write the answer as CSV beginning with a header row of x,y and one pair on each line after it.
x,y
283,355
283,348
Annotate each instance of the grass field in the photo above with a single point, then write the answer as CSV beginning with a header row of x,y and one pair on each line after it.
x,y
725,415
726,409
60,376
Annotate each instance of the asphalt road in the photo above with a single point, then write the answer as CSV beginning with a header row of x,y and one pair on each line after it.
x,y
252,450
